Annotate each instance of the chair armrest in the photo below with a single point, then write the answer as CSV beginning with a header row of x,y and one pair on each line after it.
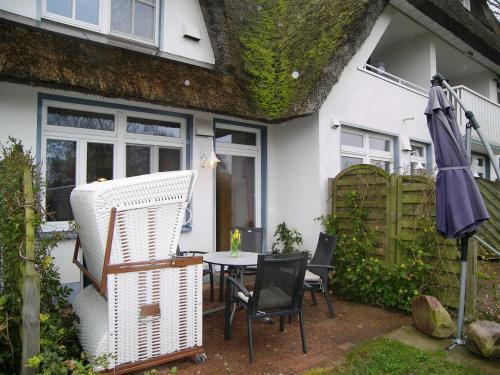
x,y
320,266
192,253
238,285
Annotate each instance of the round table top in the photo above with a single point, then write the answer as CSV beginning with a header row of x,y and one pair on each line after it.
x,y
244,258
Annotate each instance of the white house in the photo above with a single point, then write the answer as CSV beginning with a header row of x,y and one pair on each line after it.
x,y
289,95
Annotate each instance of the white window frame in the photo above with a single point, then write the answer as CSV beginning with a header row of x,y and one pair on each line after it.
x,y
480,170
73,21
104,25
366,153
421,158
235,149
131,36
119,138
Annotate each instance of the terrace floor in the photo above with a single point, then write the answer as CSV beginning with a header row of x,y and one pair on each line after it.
x,y
328,340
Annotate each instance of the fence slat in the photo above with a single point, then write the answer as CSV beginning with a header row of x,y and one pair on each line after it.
x,y
30,327
396,206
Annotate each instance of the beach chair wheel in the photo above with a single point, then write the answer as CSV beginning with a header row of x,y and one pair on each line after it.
x,y
200,358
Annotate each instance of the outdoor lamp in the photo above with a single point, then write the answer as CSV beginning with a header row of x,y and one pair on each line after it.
x,y
211,161
419,166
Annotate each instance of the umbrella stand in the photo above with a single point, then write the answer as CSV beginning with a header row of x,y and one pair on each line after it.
x,y
464,240
441,80
464,248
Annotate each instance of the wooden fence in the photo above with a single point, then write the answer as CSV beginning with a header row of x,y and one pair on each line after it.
x,y
399,209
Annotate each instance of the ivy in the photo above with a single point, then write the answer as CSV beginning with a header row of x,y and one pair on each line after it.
x,y
60,351
361,275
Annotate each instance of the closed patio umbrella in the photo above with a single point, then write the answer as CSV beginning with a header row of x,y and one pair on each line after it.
x,y
459,206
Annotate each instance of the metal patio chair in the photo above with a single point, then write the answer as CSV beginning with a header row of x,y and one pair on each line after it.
x,y
206,271
317,270
278,291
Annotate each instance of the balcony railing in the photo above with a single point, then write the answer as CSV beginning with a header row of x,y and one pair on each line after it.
x,y
487,113
395,79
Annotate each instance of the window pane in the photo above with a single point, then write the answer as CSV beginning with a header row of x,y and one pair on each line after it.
x,y
60,178
99,161
169,159
144,20
350,139
153,127
385,165
348,161
121,16
419,149
235,191
380,144
87,11
60,7
235,137
138,160
80,119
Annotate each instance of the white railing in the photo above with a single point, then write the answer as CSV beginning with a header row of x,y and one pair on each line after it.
x,y
486,111
392,78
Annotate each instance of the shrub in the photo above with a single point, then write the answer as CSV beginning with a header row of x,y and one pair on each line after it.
x,y
360,275
286,240
60,352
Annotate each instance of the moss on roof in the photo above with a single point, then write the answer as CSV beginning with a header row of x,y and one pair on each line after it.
x,y
258,44
264,41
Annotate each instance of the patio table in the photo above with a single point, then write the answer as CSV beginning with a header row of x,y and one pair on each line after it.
x,y
224,259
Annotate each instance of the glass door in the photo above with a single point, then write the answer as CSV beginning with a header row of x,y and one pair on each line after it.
x,y
237,182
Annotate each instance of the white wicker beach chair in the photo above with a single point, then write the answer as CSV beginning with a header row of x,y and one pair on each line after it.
x,y
145,305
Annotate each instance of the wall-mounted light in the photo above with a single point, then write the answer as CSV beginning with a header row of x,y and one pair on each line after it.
x,y
334,123
210,161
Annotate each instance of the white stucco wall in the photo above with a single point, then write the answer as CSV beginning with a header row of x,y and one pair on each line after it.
x,y
294,177
26,8
410,59
369,102
178,14
482,83
18,118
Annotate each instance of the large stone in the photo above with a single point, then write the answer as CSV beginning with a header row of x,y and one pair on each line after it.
x,y
483,338
431,317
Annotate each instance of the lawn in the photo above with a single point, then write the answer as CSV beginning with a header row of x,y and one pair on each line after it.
x,y
383,356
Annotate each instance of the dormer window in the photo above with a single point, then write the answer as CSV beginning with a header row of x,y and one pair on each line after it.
x,y
134,18
84,13
128,19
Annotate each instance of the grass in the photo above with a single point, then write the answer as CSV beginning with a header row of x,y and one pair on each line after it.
x,y
383,356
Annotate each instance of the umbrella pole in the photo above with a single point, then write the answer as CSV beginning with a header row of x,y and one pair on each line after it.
x,y
439,78
464,248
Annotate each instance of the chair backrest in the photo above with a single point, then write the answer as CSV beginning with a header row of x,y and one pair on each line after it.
x,y
252,239
149,213
325,250
279,281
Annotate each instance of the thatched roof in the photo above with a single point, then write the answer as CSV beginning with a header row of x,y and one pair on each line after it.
x,y
478,28
258,44
42,58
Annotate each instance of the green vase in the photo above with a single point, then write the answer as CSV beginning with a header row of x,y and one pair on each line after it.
x,y
235,247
